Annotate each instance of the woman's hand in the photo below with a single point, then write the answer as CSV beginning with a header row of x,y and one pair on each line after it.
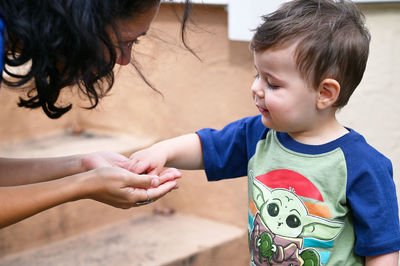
x,y
123,189
102,159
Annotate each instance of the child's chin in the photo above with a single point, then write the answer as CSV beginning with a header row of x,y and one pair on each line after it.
x,y
265,122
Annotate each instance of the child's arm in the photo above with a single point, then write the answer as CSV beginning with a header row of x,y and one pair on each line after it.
x,y
390,259
182,152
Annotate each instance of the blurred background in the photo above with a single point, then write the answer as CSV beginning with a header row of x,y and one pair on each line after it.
x,y
193,94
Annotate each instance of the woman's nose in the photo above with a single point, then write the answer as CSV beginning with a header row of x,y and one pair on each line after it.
x,y
124,58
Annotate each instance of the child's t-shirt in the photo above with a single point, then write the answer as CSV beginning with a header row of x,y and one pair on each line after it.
x,y
329,204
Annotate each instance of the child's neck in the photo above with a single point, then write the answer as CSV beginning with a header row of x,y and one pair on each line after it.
x,y
321,134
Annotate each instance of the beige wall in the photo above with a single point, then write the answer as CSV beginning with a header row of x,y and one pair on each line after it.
x,y
374,109
207,93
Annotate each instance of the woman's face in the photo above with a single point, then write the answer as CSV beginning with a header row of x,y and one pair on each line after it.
x,y
130,30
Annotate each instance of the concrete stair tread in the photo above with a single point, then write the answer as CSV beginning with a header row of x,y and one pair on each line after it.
x,y
141,241
67,143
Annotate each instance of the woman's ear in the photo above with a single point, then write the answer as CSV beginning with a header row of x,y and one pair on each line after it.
x,y
328,92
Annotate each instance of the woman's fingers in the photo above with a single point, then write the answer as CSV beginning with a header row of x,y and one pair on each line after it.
x,y
161,190
144,196
124,189
142,181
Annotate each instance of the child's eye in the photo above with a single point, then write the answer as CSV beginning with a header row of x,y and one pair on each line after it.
x,y
257,76
272,87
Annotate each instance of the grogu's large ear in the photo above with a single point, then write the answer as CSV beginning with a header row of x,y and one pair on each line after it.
x,y
260,193
321,229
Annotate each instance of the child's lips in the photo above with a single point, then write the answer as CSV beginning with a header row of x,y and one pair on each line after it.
x,y
262,110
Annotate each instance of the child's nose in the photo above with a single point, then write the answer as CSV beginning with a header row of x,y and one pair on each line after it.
x,y
257,89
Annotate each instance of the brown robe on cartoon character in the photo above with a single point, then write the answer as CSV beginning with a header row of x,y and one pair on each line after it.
x,y
287,249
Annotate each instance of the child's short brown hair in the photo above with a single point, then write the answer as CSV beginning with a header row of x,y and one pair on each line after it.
x,y
330,37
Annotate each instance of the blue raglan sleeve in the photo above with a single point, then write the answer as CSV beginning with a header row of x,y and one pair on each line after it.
x,y
371,193
227,151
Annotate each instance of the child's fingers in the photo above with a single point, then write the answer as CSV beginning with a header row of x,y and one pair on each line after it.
x,y
141,167
170,174
129,165
154,171
137,167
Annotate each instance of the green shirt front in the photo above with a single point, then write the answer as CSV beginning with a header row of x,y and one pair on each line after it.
x,y
299,201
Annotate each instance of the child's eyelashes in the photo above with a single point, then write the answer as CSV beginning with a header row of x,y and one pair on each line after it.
x,y
272,87
269,85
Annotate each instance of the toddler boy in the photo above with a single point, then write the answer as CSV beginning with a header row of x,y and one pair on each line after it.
x,y
318,193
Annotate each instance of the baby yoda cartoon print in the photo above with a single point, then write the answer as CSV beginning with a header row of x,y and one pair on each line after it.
x,y
280,226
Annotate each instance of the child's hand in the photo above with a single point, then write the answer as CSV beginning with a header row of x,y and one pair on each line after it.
x,y
148,161
184,152
169,174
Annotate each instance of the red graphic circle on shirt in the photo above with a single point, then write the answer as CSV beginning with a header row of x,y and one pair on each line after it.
x,y
290,180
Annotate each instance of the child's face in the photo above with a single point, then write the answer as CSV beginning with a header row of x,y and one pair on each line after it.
x,y
285,100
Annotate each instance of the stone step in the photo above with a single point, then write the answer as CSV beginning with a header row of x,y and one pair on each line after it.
x,y
69,143
148,240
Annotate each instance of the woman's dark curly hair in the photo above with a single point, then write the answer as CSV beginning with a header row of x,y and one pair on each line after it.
x,y
66,43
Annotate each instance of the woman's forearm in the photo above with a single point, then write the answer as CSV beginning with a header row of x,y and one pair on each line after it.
x,y
14,172
114,186
20,202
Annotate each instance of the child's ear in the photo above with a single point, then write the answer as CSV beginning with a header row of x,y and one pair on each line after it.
x,y
328,92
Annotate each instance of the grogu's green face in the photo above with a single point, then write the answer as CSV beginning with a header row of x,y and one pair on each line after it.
x,y
283,213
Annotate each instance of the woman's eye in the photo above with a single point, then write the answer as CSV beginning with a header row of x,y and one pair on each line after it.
x,y
129,44
257,76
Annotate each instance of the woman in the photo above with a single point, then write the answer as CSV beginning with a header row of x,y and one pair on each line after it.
x,y
72,42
